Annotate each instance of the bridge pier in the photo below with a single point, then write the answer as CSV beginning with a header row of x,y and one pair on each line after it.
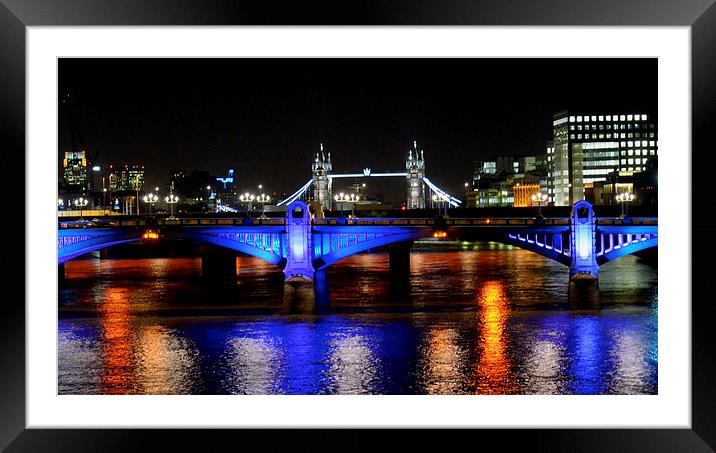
x,y
218,265
305,295
61,275
399,259
584,292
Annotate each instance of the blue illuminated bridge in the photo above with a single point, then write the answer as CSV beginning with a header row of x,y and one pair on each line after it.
x,y
304,247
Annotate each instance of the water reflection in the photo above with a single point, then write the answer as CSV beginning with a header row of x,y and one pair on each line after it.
x,y
479,321
493,374
352,366
254,364
443,362
116,330
165,362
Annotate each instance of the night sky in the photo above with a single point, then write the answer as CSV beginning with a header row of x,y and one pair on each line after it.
x,y
266,117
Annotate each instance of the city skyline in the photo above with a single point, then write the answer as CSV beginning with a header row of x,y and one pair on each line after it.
x,y
246,114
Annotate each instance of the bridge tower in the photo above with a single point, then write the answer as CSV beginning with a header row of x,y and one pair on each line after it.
x,y
415,171
321,170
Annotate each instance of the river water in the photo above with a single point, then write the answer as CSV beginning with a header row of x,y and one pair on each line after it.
x,y
474,318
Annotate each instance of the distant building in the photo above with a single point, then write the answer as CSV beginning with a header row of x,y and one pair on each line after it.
x,y
523,194
75,172
126,178
589,147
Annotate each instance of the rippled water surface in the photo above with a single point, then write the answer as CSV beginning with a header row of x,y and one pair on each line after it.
x,y
474,318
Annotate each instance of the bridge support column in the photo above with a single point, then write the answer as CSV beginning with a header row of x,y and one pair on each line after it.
x,y
303,295
584,292
61,275
584,270
218,266
399,258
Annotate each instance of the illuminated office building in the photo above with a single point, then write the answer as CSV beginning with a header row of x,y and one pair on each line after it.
x,y
75,173
588,147
125,178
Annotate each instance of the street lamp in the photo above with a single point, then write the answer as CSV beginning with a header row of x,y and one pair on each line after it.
x,y
150,199
624,198
346,198
81,202
171,201
248,199
539,198
441,201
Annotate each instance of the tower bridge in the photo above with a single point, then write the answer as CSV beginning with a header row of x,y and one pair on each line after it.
x,y
304,247
322,178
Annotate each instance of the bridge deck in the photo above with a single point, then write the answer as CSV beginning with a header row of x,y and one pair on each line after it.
x,y
378,221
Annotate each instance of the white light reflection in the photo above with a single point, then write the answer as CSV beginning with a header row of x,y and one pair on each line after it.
x,y
166,363
256,364
443,362
353,368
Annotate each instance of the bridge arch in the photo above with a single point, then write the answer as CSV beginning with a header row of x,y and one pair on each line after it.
x,y
332,244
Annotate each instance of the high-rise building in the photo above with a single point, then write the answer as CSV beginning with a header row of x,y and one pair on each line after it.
x,y
415,171
588,147
75,173
126,178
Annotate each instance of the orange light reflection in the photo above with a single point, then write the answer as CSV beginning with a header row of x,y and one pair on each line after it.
x,y
493,372
118,371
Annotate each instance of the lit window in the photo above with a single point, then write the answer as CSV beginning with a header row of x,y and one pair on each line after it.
x,y
631,152
571,136
643,161
629,117
631,161
651,152
623,153
637,152
579,136
594,135
609,135
571,119
624,161
579,128
579,119
638,161
643,117
622,118
601,117
631,144
651,143
609,117
623,144
601,135
594,118
571,127
630,169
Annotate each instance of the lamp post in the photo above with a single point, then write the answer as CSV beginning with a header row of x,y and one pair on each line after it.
x,y
539,198
346,198
171,201
81,202
262,200
247,198
624,198
150,199
441,201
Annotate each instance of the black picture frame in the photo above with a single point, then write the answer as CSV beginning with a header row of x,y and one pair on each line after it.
x,y
700,15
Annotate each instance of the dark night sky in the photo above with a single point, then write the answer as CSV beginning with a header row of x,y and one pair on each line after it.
x,y
266,117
